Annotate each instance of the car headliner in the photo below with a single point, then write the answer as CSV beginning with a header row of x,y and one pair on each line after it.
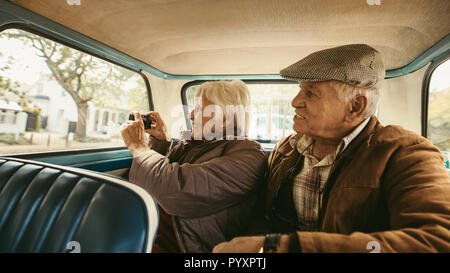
x,y
250,37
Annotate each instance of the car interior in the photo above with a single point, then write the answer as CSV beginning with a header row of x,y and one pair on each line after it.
x,y
58,185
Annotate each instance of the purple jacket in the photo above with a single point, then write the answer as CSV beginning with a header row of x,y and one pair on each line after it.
x,y
209,188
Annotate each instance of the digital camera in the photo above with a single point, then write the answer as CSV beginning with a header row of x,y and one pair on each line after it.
x,y
146,119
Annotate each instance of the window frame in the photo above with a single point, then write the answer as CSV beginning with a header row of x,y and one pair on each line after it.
x,y
80,150
425,90
198,82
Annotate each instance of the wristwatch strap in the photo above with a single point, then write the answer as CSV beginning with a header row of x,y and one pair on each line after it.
x,y
271,242
294,243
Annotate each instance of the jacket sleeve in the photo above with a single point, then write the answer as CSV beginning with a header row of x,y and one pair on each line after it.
x,y
258,224
158,145
196,190
417,191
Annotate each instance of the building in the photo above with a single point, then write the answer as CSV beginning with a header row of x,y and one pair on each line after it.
x,y
12,118
58,109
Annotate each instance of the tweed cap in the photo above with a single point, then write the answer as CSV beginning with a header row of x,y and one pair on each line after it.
x,y
358,65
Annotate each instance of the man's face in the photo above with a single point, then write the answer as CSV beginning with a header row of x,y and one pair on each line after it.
x,y
319,112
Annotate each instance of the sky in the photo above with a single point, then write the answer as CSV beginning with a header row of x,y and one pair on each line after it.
x,y
27,68
441,77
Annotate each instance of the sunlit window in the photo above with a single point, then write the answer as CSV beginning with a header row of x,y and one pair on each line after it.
x,y
53,97
438,130
271,101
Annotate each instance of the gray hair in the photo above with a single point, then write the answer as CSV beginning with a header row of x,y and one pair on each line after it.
x,y
228,94
346,93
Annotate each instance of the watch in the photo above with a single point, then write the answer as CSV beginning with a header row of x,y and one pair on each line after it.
x,y
271,243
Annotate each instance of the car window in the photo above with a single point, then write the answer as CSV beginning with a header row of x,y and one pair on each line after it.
x,y
438,123
53,97
271,101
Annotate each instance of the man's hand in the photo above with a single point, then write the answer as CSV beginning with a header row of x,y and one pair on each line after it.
x,y
241,245
133,135
251,244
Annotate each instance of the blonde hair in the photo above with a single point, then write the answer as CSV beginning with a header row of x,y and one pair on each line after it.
x,y
346,93
227,93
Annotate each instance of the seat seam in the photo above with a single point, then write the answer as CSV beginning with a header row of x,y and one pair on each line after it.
x,y
38,247
14,172
13,207
36,209
87,208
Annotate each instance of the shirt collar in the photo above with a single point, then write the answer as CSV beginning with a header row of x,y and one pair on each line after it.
x,y
304,143
350,137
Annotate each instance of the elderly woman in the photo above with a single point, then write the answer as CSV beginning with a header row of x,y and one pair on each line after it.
x,y
206,187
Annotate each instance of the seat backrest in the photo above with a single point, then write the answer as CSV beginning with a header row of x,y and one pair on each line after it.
x,y
50,208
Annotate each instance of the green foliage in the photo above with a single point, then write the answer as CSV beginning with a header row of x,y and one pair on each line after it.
x,y
38,123
10,139
438,119
6,85
137,98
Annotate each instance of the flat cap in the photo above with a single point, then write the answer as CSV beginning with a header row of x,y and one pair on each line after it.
x,y
358,65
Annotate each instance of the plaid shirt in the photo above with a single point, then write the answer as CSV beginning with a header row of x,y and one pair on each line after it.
x,y
310,181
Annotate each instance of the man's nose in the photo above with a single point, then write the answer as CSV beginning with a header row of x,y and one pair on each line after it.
x,y
298,101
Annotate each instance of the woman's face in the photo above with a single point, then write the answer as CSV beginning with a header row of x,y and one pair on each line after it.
x,y
203,118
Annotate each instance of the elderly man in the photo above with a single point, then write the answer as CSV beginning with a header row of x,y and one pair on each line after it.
x,y
343,182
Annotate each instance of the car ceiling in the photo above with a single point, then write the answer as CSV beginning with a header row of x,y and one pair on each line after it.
x,y
220,37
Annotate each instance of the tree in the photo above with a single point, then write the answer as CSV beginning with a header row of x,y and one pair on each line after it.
x,y
137,98
8,86
84,77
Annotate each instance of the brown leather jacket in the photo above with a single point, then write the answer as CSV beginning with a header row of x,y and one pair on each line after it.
x,y
389,186
209,189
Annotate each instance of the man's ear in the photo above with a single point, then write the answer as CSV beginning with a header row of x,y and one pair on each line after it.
x,y
357,108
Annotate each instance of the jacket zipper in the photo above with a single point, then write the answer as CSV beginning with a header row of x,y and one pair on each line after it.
x,y
327,189
291,172
175,227
177,235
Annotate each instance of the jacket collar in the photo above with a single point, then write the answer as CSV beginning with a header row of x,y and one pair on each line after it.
x,y
364,138
369,130
285,147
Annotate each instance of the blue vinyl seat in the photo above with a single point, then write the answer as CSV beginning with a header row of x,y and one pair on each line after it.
x,y
49,208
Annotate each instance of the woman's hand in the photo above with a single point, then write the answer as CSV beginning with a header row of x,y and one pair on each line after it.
x,y
158,129
133,135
